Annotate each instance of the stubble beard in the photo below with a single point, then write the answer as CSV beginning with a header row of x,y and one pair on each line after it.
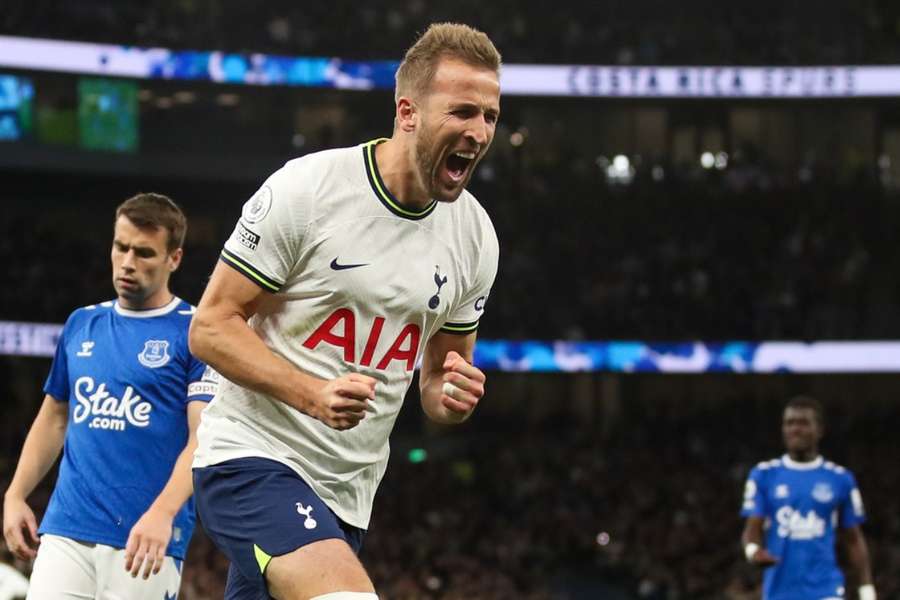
x,y
426,163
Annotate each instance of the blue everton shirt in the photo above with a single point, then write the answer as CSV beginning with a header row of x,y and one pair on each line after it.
x,y
803,504
128,377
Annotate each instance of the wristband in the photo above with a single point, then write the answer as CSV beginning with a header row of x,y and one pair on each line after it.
x,y
750,551
867,592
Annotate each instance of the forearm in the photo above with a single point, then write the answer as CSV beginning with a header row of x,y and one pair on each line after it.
x,y
858,557
180,485
232,348
41,449
751,536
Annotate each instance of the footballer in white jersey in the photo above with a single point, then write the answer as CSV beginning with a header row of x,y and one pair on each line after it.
x,y
347,269
359,284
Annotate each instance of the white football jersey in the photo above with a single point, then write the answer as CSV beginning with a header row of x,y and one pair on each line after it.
x,y
358,284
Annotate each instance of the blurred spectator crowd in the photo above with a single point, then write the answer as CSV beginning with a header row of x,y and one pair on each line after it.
x,y
644,507
581,258
613,32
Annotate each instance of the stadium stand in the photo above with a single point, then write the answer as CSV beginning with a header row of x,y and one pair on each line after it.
x,y
617,32
664,261
531,500
516,507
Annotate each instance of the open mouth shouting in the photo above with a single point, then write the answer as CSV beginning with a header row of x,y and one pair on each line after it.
x,y
458,165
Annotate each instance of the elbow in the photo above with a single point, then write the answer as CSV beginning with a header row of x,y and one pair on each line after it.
x,y
198,336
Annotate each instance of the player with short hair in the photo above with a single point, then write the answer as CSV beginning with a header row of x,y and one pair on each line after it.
x,y
805,502
351,265
123,401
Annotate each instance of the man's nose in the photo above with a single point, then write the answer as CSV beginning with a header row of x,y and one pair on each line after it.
x,y
128,261
478,131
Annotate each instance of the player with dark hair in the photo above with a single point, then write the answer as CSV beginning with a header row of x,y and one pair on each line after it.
x,y
123,401
351,265
805,502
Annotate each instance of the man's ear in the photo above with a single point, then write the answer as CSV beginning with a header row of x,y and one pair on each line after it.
x,y
407,114
175,259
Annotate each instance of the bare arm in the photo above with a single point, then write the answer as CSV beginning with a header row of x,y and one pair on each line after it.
x,y
857,554
150,536
41,449
221,337
752,538
448,359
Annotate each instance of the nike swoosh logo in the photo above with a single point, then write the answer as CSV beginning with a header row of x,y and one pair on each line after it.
x,y
339,267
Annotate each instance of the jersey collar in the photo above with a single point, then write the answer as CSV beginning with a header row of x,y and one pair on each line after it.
x,y
790,463
150,312
381,190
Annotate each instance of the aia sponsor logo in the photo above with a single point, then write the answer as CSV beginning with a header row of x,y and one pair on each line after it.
x,y
339,330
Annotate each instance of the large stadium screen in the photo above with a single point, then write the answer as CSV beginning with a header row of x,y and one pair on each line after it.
x,y
16,98
108,114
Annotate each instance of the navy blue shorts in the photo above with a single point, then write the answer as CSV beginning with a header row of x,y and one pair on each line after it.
x,y
254,509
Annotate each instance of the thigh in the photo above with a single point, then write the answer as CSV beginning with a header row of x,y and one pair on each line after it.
x,y
115,583
315,569
63,570
238,587
256,509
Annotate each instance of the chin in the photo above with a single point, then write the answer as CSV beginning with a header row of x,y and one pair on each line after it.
x,y
443,194
448,198
130,297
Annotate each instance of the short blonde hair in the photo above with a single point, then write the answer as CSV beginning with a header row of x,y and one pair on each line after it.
x,y
443,40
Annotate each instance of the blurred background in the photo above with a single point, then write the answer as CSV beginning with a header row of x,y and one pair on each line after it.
x,y
688,187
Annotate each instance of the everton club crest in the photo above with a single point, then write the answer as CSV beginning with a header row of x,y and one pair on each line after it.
x,y
823,493
155,354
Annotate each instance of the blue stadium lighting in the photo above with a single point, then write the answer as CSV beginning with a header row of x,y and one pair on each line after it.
x,y
607,81
39,339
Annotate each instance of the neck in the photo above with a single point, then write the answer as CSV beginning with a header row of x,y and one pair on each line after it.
x,y
157,300
399,172
804,455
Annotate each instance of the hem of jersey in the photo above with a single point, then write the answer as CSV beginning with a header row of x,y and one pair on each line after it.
x,y
460,328
747,515
147,313
202,463
91,538
383,193
248,271
54,396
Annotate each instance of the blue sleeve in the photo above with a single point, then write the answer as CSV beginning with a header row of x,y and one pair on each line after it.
x,y
754,504
57,384
203,381
852,510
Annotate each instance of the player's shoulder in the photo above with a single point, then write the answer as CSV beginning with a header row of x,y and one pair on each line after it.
x,y
86,313
840,471
312,175
473,219
765,469
469,206
327,159
769,465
